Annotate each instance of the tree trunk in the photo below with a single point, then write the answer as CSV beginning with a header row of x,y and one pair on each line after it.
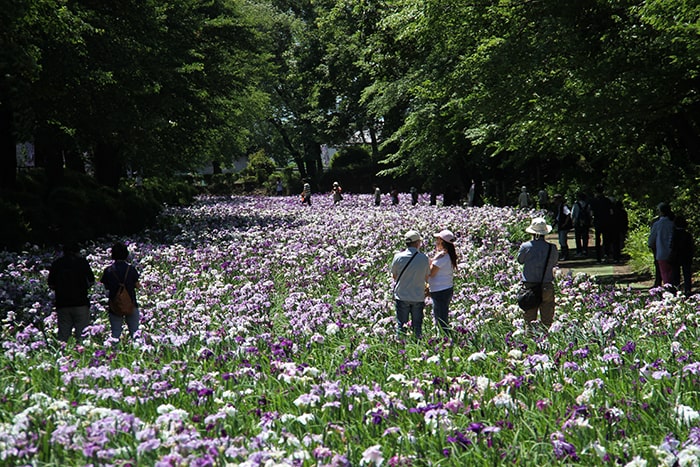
x,y
49,154
298,159
8,152
74,161
108,165
312,156
374,143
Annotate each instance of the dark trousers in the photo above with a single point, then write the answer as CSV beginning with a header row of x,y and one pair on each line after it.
x,y
581,236
684,270
602,242
441,307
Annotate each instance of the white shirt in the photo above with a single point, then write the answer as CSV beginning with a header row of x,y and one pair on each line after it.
x,y
443,278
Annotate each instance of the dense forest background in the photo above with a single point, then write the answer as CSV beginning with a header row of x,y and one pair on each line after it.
x,y
120,97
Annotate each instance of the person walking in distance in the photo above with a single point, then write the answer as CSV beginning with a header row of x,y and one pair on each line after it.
x,y
601,206
683,250
337,193
581,216
410,269
306,194
563,217
524,201
660,242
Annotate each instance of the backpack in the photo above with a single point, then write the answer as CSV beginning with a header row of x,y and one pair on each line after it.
x,y
584,214
121,304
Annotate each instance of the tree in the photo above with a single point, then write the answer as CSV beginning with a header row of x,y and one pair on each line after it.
x,y
151,86
596,88
27,28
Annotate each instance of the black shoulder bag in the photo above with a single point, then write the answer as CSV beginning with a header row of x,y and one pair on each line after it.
x,y
531,297
404,268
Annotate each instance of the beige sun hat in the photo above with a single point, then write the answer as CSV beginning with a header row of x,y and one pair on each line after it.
x,y
412,236
539,226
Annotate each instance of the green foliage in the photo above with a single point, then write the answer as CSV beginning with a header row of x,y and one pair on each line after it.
x,y
169,86
221,184
169,191
641,259
500,92
351,156
259,168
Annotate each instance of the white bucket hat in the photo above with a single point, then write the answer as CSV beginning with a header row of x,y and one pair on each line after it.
x,y
539,226
446,236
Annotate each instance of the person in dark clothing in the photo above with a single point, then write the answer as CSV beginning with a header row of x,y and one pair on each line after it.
x,y
122,272
70,277
581,217
394,196
414,196
682,248
619,225
562,215
660,242
602,207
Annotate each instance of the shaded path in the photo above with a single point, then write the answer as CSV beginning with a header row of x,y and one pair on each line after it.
x,y
606,273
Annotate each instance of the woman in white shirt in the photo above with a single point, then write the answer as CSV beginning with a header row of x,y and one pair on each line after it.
x,y
442,267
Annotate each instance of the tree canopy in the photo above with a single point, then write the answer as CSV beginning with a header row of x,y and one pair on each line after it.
x,y
517,92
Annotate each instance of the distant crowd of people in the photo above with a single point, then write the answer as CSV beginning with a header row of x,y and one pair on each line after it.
x,y
607,220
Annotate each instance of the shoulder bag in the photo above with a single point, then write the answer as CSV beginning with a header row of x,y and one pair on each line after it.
x,y
404,268
531,297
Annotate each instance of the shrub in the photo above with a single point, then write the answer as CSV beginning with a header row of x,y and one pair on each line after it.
x,y
641,260
259,168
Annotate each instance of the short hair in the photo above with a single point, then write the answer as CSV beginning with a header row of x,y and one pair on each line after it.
x,y
120,252
71,247
664,209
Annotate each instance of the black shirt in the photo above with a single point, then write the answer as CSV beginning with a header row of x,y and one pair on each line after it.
x,y
70,277
116,273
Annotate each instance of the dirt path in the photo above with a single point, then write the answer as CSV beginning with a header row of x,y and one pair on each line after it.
x,y
608,273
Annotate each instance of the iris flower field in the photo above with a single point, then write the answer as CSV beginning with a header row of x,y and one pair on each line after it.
x,y
268,339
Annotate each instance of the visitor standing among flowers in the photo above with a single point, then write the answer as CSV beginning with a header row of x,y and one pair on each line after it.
x,y
337,193
70,277
538,258
441,277
306,193
122,272
410,269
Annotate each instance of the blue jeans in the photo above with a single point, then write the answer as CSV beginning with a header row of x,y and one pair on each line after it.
x,y
441,304
563,243
414,310
116,323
